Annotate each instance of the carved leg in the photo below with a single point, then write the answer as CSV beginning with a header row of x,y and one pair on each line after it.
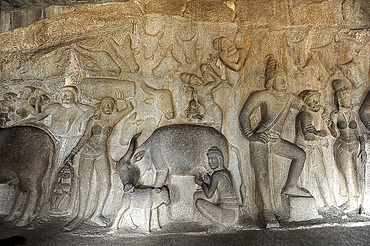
x,y
31,202
259,160
291,151
17,205
119,216
104,184
86,169
148,217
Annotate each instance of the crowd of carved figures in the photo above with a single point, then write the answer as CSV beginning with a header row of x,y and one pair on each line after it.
x,y
190,153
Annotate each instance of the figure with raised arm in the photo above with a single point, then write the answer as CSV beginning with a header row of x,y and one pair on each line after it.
x,y
93,148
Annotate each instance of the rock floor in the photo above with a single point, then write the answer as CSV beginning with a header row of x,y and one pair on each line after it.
x,y
347,231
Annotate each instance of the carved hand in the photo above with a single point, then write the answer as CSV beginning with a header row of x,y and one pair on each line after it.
x,y
207,178
198,180
363,156
69,159
322,133
259,137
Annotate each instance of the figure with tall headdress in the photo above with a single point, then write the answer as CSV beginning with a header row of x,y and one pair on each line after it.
x,y
274,103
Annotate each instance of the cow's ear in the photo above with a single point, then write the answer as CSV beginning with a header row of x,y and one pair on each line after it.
x,y
138,156
149,101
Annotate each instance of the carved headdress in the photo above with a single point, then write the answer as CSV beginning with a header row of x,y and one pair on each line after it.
x,y
308,93
271,70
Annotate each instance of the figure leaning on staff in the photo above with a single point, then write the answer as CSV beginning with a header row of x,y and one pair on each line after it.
x,y
274,103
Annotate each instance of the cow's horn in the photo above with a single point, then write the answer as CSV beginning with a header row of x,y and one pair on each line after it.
x,y
147,89
131,149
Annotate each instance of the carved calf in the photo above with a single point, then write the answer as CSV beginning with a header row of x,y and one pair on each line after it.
x,y
147,199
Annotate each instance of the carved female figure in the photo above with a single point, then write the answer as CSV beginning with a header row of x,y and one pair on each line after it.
x,y
344,125
94,158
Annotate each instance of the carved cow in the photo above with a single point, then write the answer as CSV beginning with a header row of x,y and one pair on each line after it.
x,y
147,199
161,99
26,153
179,149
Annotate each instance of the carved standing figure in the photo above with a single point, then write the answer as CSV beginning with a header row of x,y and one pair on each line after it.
x,y
226,210
312,138
65,119
94,158
274,103
349,143
230,60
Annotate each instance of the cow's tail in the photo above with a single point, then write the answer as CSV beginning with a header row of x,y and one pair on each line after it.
x,y
242,188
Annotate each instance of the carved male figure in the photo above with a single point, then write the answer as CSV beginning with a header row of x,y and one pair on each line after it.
x,y
349,143
274,103
94,158
65,121
312,138
226,210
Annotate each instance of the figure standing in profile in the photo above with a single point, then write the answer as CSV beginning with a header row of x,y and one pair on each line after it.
x,y
93,147
274,103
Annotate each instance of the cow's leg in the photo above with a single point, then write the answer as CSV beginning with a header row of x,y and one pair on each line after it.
x,y
155,219
148,218
17,205
103,179
119,215
31,203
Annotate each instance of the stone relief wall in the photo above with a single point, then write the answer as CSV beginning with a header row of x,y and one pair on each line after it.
x,y
154,113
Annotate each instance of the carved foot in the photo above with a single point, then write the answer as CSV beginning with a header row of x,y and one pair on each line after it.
x,y
11,217
349,208
295,190
270,219
100,220
113,233
73,224
23,222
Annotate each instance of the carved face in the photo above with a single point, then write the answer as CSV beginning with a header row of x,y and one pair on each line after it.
x,y
25,94
213,160
68,97
345,98
107,106
279,82
313,103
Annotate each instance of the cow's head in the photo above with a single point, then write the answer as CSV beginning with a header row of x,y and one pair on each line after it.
x,y
162,196
161,99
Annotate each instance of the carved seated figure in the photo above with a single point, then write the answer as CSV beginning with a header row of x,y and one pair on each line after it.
x,y
226,210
